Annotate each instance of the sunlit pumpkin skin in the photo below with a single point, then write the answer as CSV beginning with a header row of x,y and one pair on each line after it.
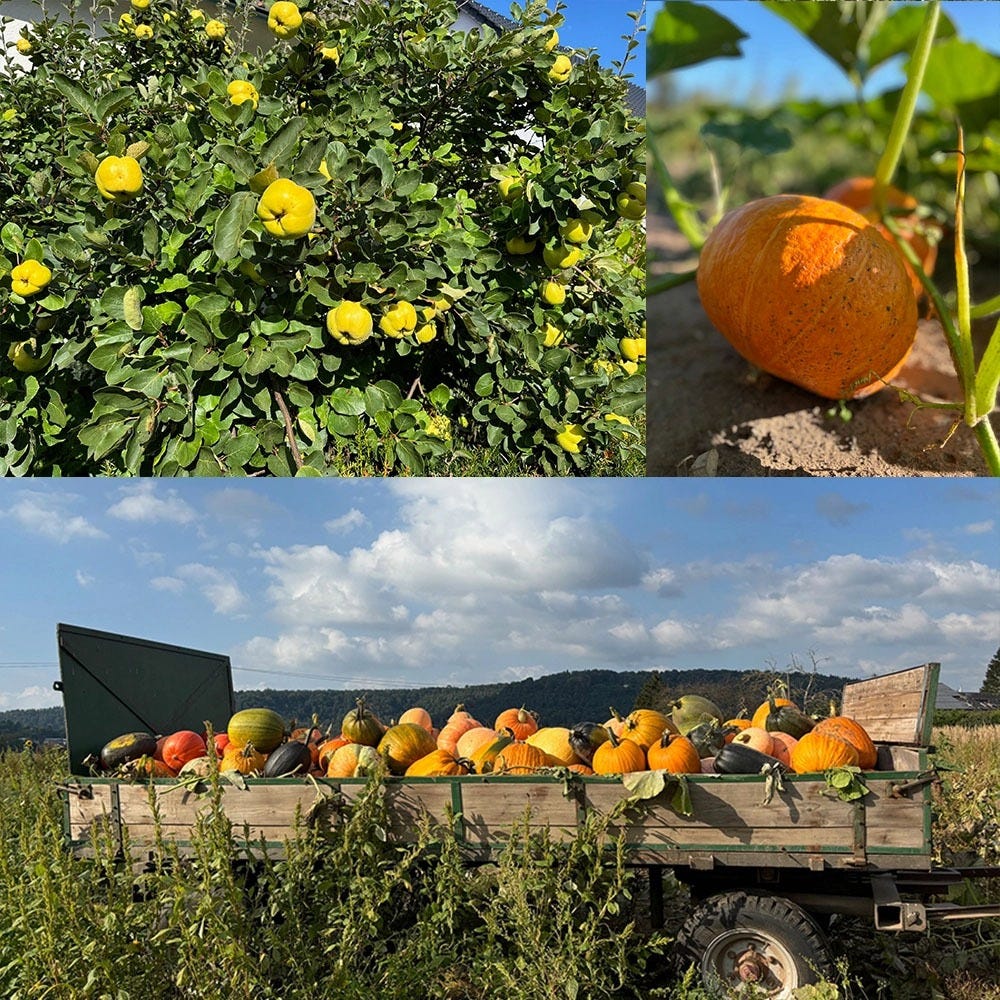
x,y
855,734
472,739
619,756
403,744
327,749
554,740
584,769
262,727
816,752
645,726
180,747
674,753
485,756
810,291
352,760
438,764
453,731
148,767
362,725
418,715
616,723
198,766
781,746
519,721
734,726
522,758
857,193
788,719
246,759
756,737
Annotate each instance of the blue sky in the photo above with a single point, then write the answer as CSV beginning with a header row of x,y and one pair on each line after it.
x,y
595,24
403,583
776,56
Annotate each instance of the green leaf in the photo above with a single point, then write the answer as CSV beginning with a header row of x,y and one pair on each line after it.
x,y
960,72
898,33
238,160
232,223
751,132
645,784
685,33
79,98
283,142
834,28
380,158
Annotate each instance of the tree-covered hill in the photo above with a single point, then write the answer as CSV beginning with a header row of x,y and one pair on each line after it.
x,y
559,699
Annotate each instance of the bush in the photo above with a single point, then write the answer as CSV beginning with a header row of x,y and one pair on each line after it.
x,y
179,335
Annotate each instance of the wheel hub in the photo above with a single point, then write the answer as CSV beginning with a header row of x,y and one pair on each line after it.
x,y
751,967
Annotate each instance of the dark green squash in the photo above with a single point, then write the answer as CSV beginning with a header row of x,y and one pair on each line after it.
x,y
787,719
709,737
292,757
130,746
738,758
585,738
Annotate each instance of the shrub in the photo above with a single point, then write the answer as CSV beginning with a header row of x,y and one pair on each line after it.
x,y
189,330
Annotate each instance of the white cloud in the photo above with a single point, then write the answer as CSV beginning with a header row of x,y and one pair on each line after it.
x,y
84,579
50,516
167,583
150,503
663,581
352,519
980,528
218,587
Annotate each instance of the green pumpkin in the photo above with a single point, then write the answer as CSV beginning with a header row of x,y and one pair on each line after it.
x,y
787,719
262,727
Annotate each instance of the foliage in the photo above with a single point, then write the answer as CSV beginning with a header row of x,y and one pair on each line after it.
x,y
991,682
189,330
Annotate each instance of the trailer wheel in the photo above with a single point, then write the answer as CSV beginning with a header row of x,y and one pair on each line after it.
x,y
738,939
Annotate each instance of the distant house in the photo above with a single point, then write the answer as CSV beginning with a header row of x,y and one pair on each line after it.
x,y
966,701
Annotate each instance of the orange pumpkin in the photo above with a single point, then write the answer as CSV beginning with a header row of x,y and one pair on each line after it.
x,y
645,726
451,732
781,746
618,756
403,744
352,760
438,764
485,756
821,751
519,721
581,768
855,734
921,234
148,767
180,747
674,753
327,749
810,291
735,726
472,739
418,715
521,758
460,713
554,740
246,759
616,723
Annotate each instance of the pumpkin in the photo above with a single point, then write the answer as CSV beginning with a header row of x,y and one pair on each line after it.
x,y
362,725
585,738
519,721
460,713
180,747
418,715
130,746
521,758
485,756
921,234
759,718
821,751
709,738
855,734
353,760
472,739
645,726
616,723
691,710
738,758
148,766
810,291
293,757
674,753
754,736
788,719
403,744
260,726
327,749
438,764
584,769
246,759
452,731
781,746
554,740
618,756
221,741
734,726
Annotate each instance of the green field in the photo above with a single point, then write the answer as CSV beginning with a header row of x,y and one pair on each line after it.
x,y
356,917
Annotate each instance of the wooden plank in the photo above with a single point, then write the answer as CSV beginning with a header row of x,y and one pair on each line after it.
x,y
894,708
84,812
490,809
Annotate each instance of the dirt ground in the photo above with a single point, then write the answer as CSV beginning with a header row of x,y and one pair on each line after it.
x,y
710,413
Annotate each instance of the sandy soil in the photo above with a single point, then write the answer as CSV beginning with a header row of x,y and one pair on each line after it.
x,y
710,413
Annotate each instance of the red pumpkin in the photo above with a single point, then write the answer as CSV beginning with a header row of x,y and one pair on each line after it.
x,y
180,747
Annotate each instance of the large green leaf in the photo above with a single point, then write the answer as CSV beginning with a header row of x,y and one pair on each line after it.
x,y
686,33
898,32
960,72
232,223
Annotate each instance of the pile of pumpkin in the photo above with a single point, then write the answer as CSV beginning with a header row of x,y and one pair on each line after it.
x,y
694,738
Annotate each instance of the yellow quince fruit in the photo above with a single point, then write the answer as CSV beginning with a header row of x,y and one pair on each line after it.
x,y
24,358
242,90
140,4
24,46
29,278
560,257
633,348
520,245
349,323
119,178
552,41
215,29
561,69
631,202
576,230
284,19
511,187
571,437
426,333
399,319
330,53
553,335
617,418
287,209
553,293
144,32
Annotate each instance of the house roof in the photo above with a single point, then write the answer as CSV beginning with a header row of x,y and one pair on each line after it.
x,y
948,697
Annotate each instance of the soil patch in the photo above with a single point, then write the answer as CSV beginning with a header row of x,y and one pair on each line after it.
x,y
711,413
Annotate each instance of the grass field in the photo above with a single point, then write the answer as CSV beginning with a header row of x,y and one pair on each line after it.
x,y
354,917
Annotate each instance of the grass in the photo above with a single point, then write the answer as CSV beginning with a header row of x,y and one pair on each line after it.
x,y
354,916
